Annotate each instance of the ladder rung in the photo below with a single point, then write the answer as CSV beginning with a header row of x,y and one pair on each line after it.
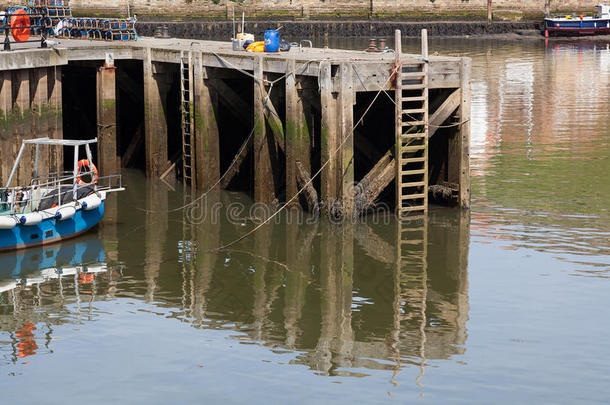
x,y
404,149
413,74
413,86
413,172
412,123
415,98
416,208
413,136
412,197
414,111
413,184
412,160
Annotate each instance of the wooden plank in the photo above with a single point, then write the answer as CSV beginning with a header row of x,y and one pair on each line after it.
x,y
207,134
444,111
264,190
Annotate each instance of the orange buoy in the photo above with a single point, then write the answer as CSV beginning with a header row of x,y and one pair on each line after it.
x,y
20,26
91,171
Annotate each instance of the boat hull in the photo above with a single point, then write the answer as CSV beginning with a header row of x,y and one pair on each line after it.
x,y
50,230
564,26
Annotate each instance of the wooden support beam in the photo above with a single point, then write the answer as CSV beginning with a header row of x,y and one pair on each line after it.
x,y
275,123
329,135
445,111
309,192
298,139
134,143
155,118
207,135
373,184
230,98
346,101
107,153
264,190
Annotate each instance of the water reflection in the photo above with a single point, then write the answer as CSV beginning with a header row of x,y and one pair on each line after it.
x,y
43,288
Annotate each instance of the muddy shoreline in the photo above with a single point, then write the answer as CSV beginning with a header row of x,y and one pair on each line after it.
x,y
312,29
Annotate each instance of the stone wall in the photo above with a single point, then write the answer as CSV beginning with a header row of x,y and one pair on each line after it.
x,y
317,8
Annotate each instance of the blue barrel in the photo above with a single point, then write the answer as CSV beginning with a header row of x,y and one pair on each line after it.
x,y
272,41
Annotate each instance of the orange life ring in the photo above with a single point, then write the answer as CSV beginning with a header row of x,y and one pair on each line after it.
x,y
20,26
90,168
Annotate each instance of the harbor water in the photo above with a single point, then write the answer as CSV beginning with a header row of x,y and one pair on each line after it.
x,y
502,304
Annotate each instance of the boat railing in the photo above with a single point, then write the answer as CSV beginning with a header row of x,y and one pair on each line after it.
x,y
53,190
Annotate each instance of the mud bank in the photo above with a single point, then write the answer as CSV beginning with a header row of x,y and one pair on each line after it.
x,y
309,29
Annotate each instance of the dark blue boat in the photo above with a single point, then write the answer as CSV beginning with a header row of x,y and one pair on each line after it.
x,y
580,25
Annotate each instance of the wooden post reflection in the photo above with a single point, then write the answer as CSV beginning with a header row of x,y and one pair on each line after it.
x,y
156,227
336,282
299,239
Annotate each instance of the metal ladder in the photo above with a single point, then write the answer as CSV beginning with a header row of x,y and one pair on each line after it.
x,y
186,109
412,138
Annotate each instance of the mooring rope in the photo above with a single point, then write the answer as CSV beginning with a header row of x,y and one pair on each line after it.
x,y
316,174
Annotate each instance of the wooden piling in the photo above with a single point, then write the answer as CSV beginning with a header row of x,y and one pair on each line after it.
x,y
298,141
207,140
264,191
346,158
107,154
464,134
328,137
155,117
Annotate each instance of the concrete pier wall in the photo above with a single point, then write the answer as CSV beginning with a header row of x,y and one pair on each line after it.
x,y
30,106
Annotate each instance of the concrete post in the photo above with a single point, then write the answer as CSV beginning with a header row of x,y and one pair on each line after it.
x,y
107,153
6,106
55,116
22,115
40,112
155,117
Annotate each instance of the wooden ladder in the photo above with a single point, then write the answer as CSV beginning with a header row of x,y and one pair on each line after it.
x,y
412,138
186,110
411,99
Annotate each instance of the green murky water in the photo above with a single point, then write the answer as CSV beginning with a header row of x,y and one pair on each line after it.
x,y
502,304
